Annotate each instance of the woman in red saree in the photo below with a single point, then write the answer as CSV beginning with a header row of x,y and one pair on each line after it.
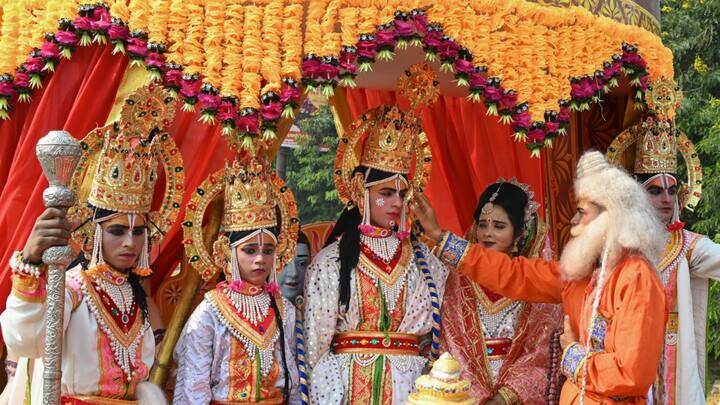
x,y
502,344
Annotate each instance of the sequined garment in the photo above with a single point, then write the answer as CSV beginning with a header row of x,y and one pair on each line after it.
x,y
472,316
91,358
213,364
332,375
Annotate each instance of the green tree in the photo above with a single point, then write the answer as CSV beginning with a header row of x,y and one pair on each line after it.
x,y
310,168
692,30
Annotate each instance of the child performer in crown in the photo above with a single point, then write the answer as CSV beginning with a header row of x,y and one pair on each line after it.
x,y
109,347
236,347
371,294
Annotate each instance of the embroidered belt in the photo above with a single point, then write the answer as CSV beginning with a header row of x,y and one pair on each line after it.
x,y
267,401
93,400
497,348
372,342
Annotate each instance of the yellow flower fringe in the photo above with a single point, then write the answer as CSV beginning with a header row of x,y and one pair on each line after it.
x,y
246,48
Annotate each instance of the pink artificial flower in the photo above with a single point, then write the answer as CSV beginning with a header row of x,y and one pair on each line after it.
x,y
118,32
49,50
612,71
477,80
137,46
551,127
34,64
582,89
310,68
493,93
464,66
7,89
644,81
155,59
404,29
366,229
522,119
271,112
385,37
448,49
508,100
536,136
347,61
66,38
235,285
564,114
272,287
22,79
101,25
327,71
248,123
402,234
633,58
227,111
289,94
209,101
101,14
421,22
172,78
366,49
433,39
83,23
189,88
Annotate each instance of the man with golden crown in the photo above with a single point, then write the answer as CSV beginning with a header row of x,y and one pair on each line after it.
x,y
605,280
689,260
371,293
109,347
236,348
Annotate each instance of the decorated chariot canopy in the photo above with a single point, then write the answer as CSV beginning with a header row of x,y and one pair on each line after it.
x,y
515,76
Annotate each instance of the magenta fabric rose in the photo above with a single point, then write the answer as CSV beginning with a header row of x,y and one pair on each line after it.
x,y
172,78
385,37
522,120
645,81
289,94
209,101
421,22
366,49
612,71
551,127
34,64
347,61
118,32
248,123
271,112
66,38
404,29
101,25
49,50
564,114
477,80
310,68
582,89
189,88
101,14
22,79
83,23
633,59
433,39
493,93
508,100
137,46
448,49
327,71
227,111
464,66
7,89
536,135
155,59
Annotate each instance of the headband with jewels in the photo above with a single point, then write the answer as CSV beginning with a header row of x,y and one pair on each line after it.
x,y
252,196
394,140
657,143
118,167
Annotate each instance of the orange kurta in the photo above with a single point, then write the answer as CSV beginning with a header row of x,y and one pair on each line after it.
x,y
632,313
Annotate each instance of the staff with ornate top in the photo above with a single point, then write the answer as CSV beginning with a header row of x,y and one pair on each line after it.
x,y
58,153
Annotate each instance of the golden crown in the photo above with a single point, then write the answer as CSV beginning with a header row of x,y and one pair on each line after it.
x,y
391,141
126,173
249,198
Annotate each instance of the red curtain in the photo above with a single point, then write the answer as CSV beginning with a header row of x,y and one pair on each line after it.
x,y
470,151
78,97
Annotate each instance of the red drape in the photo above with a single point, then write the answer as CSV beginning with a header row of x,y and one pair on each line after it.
x,y
470,151
78,97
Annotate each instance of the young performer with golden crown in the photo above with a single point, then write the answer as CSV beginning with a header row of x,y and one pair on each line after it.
x,y
109,346
607,284
689,259
502,344
236,347
371,295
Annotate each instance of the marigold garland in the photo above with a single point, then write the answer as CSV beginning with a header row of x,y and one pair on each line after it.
x,y
177,24
292,40
10,32
158,24
213,41
140,12
271,28
233,61
193,52
119,9
252,57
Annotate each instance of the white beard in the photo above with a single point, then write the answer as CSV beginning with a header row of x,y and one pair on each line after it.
x,y
582,252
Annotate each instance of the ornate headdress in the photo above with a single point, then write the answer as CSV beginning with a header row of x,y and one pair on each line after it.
x,y
118,171
657,143
392,138
253,196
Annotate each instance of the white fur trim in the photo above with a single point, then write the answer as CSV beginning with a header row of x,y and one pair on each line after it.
x,y
148,393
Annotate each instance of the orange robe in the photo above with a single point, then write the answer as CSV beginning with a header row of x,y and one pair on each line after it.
x,y
627,336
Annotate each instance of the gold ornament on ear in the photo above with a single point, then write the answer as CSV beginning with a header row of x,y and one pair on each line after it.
x,y
221,251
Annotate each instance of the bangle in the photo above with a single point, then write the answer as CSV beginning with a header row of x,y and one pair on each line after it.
x,y
19,265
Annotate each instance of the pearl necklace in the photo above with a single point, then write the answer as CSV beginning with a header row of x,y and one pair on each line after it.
x,y
121,295
384,248
254,307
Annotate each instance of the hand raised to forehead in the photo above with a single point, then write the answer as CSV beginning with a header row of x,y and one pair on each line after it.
x,y
424,213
